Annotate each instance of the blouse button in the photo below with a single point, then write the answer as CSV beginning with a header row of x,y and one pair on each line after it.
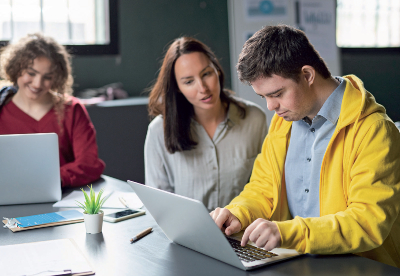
x,y
312,130
306,190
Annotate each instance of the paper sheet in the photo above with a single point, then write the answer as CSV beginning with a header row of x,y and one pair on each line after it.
x,y
55,257
112,202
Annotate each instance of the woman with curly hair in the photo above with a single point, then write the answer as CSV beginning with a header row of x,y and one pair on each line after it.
x,y
203,140
39,101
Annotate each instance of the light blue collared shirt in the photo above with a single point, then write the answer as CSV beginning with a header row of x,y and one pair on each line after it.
x,y
307,147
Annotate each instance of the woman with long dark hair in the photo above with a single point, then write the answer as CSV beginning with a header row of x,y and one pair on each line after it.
x,y
203,140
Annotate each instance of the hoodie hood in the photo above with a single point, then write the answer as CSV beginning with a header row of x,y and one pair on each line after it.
x,y
357,103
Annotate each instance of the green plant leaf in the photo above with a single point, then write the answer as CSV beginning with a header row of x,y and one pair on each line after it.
x,y
92,200
92,205
98,200
81,206
86,196
99,196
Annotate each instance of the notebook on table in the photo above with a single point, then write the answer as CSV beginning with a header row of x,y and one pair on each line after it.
x,y
178,216
43,220
29,168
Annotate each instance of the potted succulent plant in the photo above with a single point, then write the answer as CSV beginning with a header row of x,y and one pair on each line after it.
x,y
92,213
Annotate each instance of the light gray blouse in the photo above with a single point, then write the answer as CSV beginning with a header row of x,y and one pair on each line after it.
x,y
217,169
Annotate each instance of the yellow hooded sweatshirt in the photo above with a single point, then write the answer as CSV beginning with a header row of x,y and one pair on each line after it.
x,y
359,188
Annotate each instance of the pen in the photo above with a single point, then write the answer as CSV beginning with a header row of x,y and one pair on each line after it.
x,y
123,202
141,234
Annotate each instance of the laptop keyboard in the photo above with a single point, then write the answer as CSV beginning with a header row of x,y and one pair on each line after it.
x,y
249,253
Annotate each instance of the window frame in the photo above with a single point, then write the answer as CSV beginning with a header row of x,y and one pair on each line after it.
x,y
110,49
370,51
366,50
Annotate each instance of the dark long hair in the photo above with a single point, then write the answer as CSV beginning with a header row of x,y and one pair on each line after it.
x,y
165,98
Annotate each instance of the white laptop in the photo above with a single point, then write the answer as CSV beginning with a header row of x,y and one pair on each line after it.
x,y
187,222
29,168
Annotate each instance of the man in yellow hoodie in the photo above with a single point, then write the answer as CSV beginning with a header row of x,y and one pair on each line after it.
x,y
328,178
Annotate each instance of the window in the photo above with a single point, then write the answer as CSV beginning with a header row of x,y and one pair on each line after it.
x,y
86,27
368,23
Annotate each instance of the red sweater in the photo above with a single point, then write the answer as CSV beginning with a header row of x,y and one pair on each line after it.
x,y
79,160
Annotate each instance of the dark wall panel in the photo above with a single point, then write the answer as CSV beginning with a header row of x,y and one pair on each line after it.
x,y
121,132
146,27
380,73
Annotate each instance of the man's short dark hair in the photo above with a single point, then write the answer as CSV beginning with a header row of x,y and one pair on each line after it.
x,y
280,50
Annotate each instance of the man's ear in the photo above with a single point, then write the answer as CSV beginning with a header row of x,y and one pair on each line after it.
x,y
308,74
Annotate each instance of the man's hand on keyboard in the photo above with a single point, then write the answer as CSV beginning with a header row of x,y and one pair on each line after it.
x,y
226,221
263,233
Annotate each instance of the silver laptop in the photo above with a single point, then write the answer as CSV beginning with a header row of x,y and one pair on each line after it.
x,y
187,222
29,168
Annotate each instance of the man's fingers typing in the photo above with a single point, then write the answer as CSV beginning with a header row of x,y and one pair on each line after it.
x,y
247,232
220,217
263,233
226,221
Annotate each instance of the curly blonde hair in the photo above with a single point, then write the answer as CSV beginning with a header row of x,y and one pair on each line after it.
x,y
17,57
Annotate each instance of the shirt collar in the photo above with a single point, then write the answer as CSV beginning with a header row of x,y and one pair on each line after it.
x,y
331,108
232,116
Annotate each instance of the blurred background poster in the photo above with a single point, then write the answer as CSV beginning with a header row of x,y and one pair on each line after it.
x,y
260,10
318,20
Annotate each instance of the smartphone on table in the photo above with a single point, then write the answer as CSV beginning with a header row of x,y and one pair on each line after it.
x,y
124,214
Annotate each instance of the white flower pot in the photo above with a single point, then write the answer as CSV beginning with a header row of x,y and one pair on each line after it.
x,y
93,223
